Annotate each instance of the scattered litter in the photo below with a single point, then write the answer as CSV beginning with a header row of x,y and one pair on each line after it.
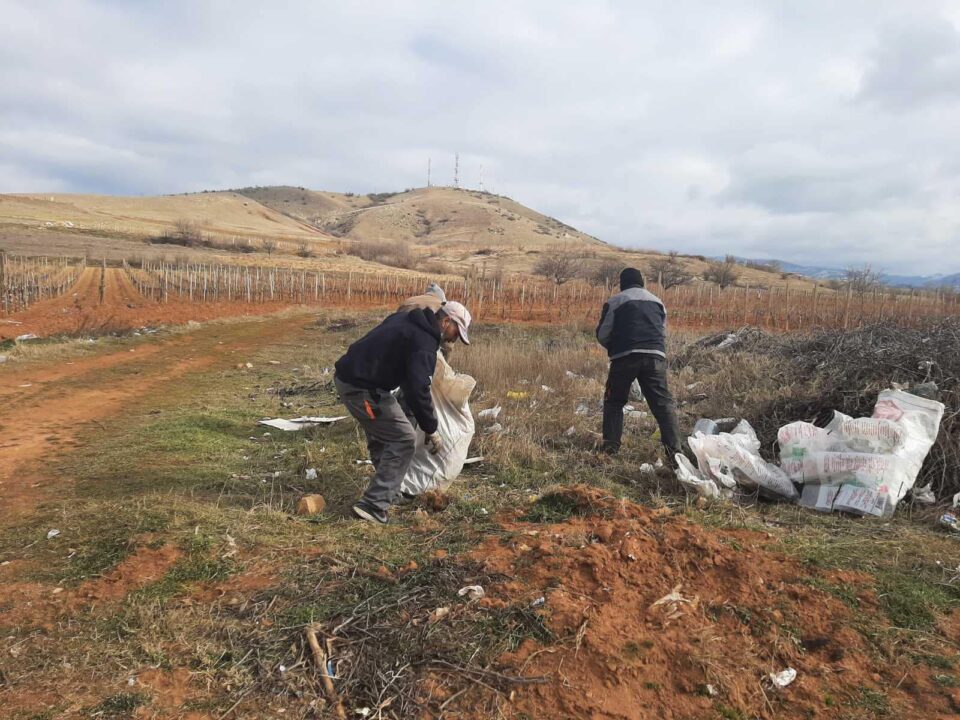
x,y
490,413
52,533
311,505
573,376
647,469
3,359
300,423
733,458
538,602
471,592
706,426
27,336
311,474
26,385
692,481
956,500
439,614
924,495
783,678
711,691
517,394
694,385
473,460
363,462
731,339
636,393
363,712
950,521
570,431
673,602
273,362
495,428
582,409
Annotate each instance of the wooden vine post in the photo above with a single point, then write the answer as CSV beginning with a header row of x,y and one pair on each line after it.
x,y
3,282
103,280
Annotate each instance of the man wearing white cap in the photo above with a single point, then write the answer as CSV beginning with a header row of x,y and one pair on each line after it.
x,y
400,352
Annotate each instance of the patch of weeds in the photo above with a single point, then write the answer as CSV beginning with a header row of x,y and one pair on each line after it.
x,y
729,713
911,600
935,661
197,565
553,508
120,705
872,701
652,685
946,681
844,592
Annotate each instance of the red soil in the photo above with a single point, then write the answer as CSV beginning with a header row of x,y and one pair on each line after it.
x,y
745,612
80,310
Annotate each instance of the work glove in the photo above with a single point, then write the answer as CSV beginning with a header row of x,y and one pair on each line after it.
x,y
434,443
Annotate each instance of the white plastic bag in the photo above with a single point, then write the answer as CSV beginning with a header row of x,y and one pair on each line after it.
x,y
733,459
862,465
451,401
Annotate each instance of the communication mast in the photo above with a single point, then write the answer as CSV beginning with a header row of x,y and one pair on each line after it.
x,y
429,184
481,178
456,170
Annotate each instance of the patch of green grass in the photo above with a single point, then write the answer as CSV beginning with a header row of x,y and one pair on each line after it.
x,y
197,565
553,508
912,601
950,681
729,713
873,701
935,661
842,591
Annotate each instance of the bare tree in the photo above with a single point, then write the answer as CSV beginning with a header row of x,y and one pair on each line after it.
x,y
186,232
861,280
304,250
269,245
670,271
558,266
606,273
723,273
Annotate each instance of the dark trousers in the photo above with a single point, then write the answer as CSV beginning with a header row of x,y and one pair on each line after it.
x,y
391,439
651,372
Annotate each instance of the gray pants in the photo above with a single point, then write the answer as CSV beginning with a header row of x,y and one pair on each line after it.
x,y
391,439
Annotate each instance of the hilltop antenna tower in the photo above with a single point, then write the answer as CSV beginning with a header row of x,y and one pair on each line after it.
x,y
481,178
456,170
429,184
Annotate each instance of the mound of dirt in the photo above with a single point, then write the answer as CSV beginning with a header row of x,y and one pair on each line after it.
x,y
653,616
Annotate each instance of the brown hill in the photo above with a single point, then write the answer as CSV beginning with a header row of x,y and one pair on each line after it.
x,y
439,230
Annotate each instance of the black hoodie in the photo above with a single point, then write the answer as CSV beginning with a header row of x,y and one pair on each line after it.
x,y
400,352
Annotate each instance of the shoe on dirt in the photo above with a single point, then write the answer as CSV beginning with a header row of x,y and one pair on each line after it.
x,y
366,511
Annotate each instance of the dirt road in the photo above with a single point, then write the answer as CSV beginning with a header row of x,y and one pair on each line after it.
x,y
80,311
43,404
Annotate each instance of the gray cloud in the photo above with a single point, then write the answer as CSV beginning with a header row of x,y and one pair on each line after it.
x,y
810,131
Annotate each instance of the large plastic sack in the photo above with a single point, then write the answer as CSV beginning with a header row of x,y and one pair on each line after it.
x,y
862,465
451,401
733,459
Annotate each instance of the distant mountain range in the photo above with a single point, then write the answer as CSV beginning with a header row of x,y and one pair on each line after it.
x,y
828,273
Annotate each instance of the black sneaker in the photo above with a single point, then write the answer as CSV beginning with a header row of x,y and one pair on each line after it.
x,y
366,511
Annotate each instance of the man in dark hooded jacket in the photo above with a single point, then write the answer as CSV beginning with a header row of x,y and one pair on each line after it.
x,y
633,330
400,352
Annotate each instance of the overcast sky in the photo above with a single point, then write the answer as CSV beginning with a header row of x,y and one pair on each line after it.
x,y
818,132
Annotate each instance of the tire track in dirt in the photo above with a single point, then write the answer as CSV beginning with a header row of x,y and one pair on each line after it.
x,y
48,422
